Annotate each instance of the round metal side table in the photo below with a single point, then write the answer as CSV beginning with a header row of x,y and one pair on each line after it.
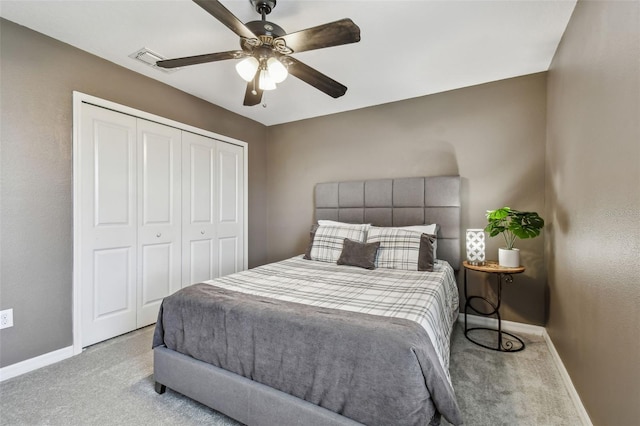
x,y
506,342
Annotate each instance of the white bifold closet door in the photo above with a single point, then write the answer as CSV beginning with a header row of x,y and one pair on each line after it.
x,y
131,221
199,201
160,208
230,192
212,209
109,224
159,217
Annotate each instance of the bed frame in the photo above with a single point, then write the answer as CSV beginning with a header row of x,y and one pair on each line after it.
x,y
382,202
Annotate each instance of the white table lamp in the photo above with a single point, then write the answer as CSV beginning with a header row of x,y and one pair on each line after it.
x,y
475,246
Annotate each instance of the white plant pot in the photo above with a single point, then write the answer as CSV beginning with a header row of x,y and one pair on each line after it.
x,y
509,258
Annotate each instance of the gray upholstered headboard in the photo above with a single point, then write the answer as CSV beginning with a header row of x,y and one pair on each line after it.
x,y
398,202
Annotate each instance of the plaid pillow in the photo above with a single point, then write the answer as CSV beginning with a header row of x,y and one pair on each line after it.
x,y
402,249
328,241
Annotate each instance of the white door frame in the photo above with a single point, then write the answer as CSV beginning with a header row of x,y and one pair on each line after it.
x,y
80,98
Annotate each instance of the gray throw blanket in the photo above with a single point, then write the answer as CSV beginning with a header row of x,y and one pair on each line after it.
x,y
375,370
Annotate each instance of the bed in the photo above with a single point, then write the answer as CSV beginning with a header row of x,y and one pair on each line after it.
x,y
313,342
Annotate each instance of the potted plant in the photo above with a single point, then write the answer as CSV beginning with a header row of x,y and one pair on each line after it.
x,y
512,224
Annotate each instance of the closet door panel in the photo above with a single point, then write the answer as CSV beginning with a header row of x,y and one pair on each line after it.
x,y
113,176
202,266
112,281
107,227
159,216
156,270
199,259
229,256
230,192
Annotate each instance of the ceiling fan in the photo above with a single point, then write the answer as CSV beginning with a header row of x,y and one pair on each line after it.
x,y
266,50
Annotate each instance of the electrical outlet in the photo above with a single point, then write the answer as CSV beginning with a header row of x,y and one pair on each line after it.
x,y
6,318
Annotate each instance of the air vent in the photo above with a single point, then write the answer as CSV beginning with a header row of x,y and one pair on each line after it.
x,y
149,57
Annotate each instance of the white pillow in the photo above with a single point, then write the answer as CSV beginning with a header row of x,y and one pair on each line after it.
x,y
323,222
424,229
328,241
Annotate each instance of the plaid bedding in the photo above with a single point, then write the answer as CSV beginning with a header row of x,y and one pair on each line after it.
x,y
427,298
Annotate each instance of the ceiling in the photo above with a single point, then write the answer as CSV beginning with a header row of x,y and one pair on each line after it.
x,y
408,48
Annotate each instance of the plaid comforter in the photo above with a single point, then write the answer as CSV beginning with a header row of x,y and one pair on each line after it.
x,y
427,298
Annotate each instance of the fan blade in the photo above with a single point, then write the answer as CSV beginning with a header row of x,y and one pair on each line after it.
x,y
201,59
222,14
315,78
335,33
251,99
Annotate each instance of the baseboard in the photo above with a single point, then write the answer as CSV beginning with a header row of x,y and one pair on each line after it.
x,y
31,364
573,393
512,326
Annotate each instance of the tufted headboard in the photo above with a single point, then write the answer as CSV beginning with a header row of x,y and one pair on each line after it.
x,y
398,202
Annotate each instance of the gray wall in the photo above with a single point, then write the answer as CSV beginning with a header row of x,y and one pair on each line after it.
x,y
493,135
593,207
38,75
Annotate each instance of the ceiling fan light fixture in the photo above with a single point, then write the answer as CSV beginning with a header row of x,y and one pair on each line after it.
x,y
247,68
265,82
277,71
264,60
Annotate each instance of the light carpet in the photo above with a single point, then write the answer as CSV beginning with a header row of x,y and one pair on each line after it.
x,y
111,383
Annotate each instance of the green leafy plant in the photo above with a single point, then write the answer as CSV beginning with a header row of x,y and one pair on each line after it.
x,y
513,224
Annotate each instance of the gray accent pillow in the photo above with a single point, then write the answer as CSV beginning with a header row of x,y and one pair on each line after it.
x,y
426,256
359,254
312,234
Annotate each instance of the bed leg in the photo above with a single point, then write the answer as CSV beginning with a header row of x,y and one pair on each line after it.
x,y
160,388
